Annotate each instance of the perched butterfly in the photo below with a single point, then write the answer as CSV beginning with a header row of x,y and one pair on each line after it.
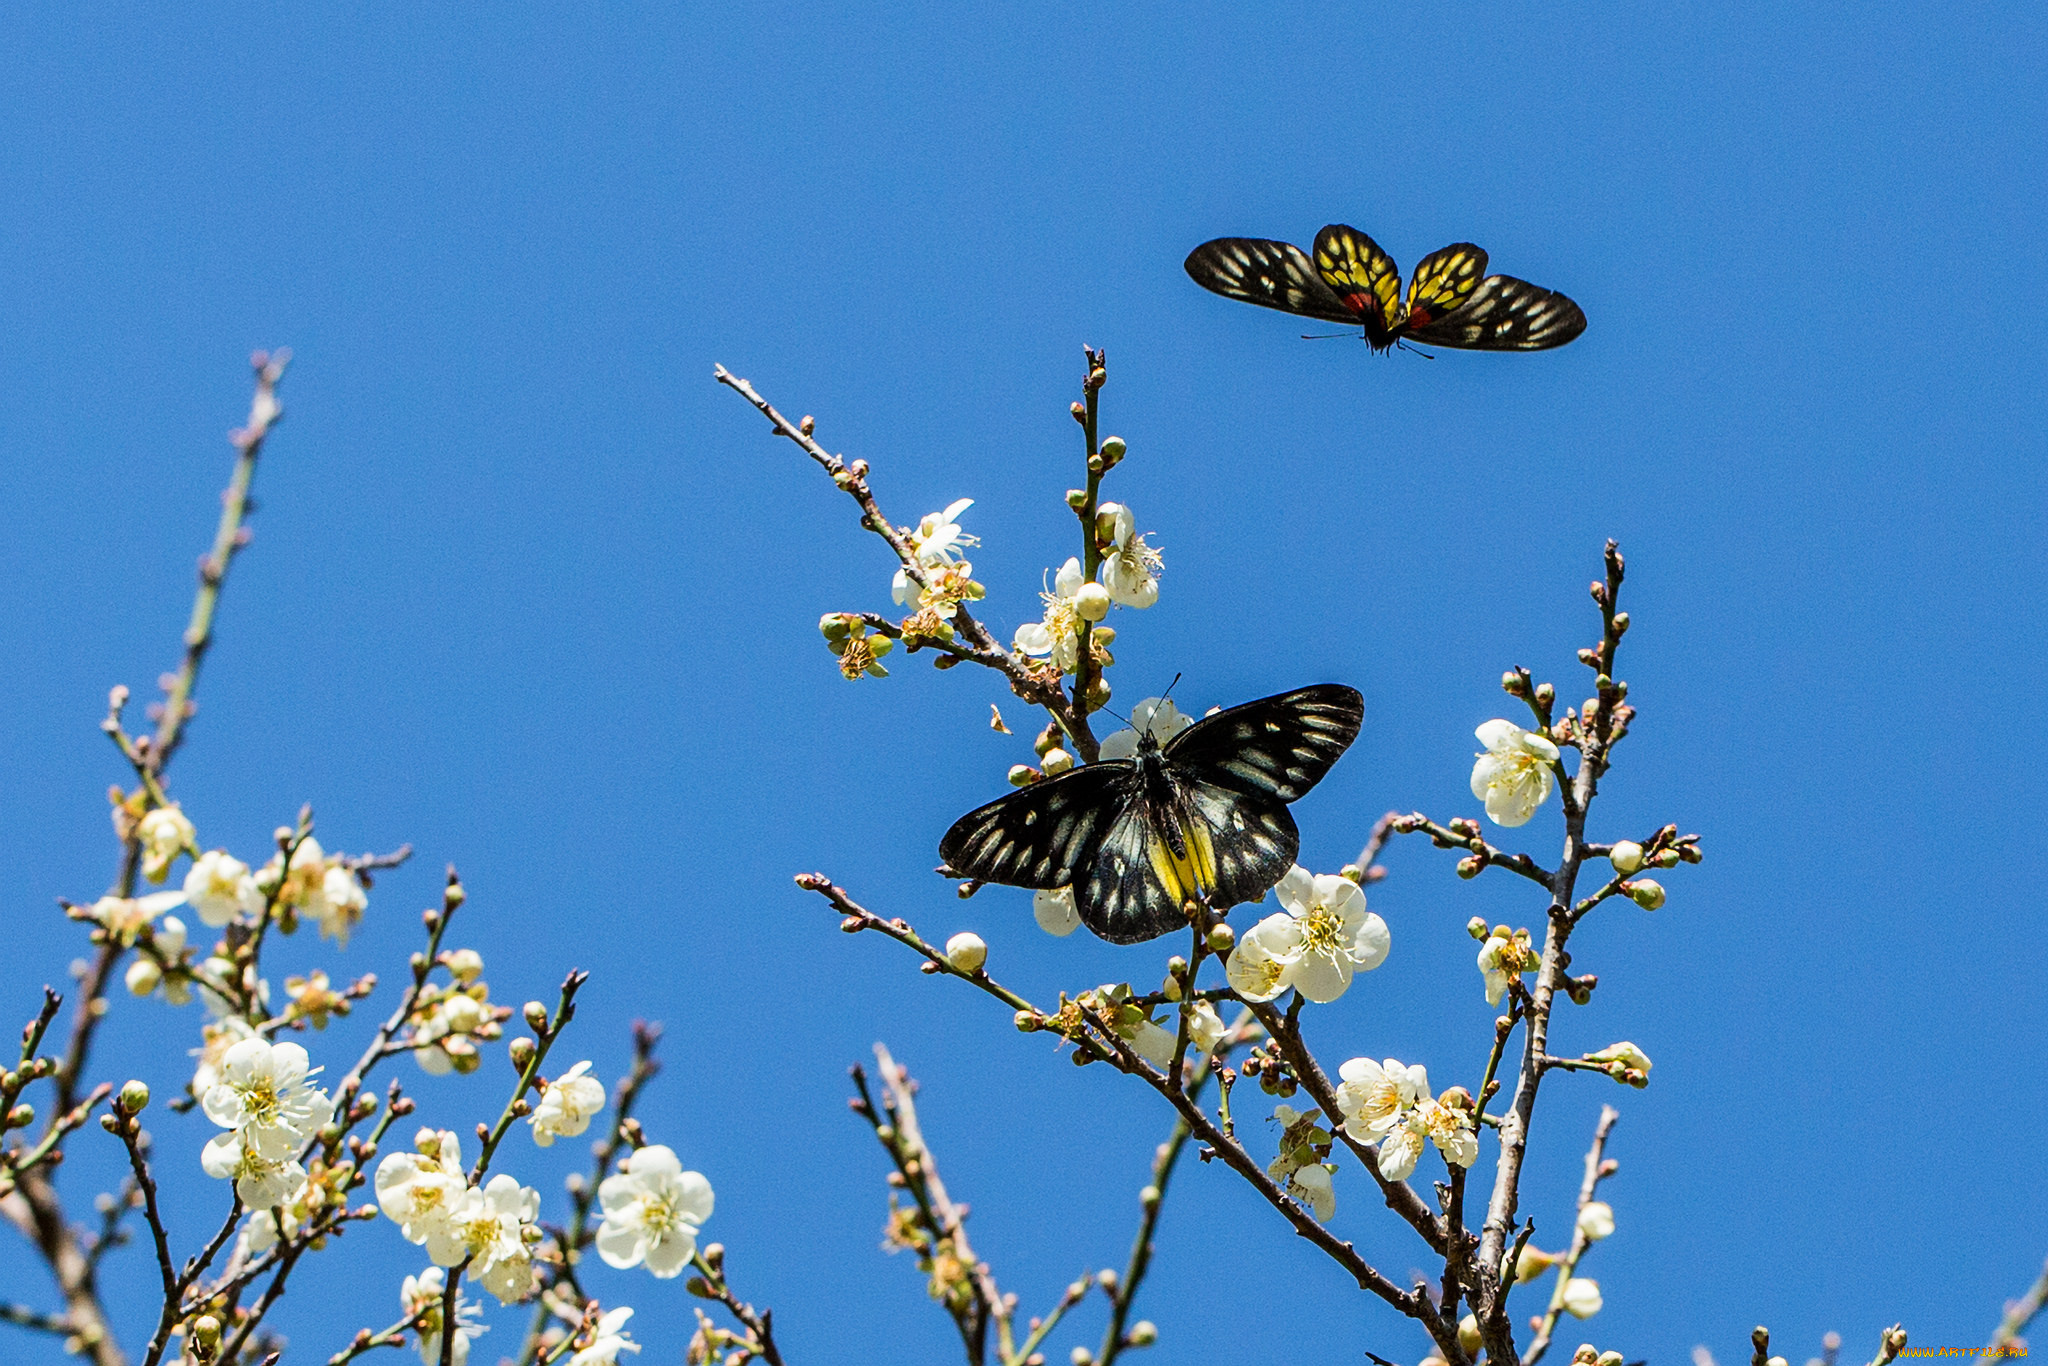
x,y
1451,301
1205,816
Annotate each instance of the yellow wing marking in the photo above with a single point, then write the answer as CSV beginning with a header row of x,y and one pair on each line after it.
x,y
1189,875
1365,278
1443,281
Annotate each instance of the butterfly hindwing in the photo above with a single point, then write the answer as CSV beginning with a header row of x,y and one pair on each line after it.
x,y
1364,279
1506,314
1254,840
1040,836
1121,896
1443,281
1268,273
1277,747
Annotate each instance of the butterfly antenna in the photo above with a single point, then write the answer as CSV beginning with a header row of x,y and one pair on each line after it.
x,y
1413,352
1325,336
1169,688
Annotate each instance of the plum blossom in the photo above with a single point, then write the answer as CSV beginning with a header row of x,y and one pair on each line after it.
x,y
1205,1026
1374,1097
336,902
607,1340
1304,1143
124,918
419,1190
1055,912
216,1039
1596,1220
1130,569
935,540
566,1106
487,1228
1513,775
263,1093
652,1212
1155,716
1503,958
260,1181
424,1298
1057,634
1322,939
164,833
220,886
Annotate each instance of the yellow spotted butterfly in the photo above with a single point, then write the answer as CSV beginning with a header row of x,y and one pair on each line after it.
x,y
1203,817
1451,301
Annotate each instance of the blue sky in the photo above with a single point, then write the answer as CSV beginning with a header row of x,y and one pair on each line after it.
x,y
529,591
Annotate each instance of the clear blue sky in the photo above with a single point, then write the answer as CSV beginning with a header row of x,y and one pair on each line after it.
x,y
529,591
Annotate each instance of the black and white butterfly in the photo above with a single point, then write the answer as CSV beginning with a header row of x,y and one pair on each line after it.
x,y
1204,817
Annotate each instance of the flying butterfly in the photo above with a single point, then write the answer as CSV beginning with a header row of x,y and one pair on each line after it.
x,y
1451,299
1204,816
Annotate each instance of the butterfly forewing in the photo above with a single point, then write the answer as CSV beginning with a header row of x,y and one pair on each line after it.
x,y
1040,836
1277,747
1270,274
1506,314
1443,282
1364,278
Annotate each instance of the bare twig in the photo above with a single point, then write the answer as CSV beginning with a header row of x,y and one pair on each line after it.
x,y
2021,1312
759,1323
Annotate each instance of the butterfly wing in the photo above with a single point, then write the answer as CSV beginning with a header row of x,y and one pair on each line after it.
x,y
1267,273
1443,282
1506,314
1276,748
1043,836
1364,278
1253,841
1122,896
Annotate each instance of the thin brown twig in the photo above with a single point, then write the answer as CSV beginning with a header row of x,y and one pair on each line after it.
x,y
1598,1169
2020,1312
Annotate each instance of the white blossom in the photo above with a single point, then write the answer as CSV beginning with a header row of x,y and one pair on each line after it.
x,y
220,887
1596,1220
1311,1185
1149,1040
566,1106
164,833
1339,936
1513,776
607,1341
1057,634
1402,1148
216,1039
934,540
1374,1097
1130,569
260,1181
263,1093
1205,1026
652,1212
423,1298
1503,958
1450,1128
419,1190
486,1228
1155,715
1055,912
1263,963
1582,1297
336,902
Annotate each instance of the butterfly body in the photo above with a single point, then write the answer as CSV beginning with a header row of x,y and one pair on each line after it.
x,y
1203,817
1450,301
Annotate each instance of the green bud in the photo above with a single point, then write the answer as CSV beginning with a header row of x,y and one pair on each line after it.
x,y
1647,894
1113,448
1221,938
834,626
134,1097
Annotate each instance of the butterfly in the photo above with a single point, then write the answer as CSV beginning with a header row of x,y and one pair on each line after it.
x,y
1451,301
1204,816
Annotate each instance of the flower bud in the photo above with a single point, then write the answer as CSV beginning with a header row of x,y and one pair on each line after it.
x,y
522,1051
1587,1355
1027,1022
1626,856
1113,448
1107,1279
1647,894
1476,927
205,1335
1056,761
535,1014
20,1117
1104,636
142,976
1081,1356
1468,1333
1092,602
1471,867
1148,1198
462,1014
1221,937
834,626
466,964
966,952
1144,1333
1666,858
134,1097
1596,1220
1582,1297
1533,1263
1612,1358
1077,499
1022,775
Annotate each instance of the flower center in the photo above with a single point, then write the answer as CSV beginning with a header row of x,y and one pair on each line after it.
x,y
659,1216
1322,931
260,1102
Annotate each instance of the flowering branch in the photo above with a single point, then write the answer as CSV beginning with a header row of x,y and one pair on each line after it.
x,y
1035,685
759,1324
1598,1169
